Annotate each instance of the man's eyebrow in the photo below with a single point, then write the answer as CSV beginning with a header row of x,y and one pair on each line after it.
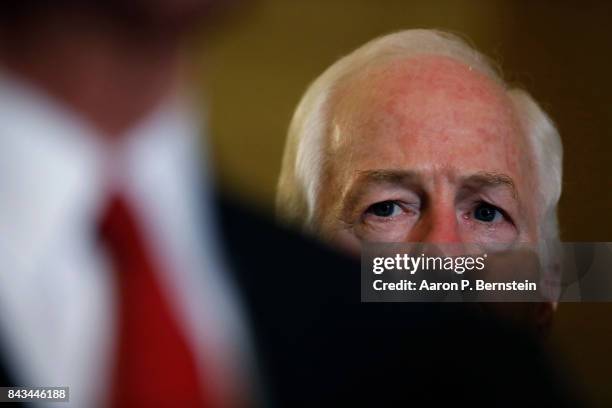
x,y
386,176
366,178
491,179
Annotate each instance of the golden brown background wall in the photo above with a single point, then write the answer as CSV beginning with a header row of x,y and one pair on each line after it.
x,y
256,63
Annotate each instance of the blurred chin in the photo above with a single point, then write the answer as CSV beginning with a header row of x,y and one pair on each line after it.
x,y
176,9
173,14
181,10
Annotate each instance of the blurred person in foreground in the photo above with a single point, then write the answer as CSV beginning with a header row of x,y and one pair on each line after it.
x,y
415,137
125,275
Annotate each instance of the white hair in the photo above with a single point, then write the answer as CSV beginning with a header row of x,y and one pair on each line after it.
x,y
305,152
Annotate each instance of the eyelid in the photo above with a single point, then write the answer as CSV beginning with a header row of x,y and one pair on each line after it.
x,y
405,207
503,212
399,202
380,193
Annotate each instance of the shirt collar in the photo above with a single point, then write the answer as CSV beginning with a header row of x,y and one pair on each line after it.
x,y
52,167
56,169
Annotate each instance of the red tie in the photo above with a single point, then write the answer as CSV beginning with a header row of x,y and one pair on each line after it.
x,y
155,365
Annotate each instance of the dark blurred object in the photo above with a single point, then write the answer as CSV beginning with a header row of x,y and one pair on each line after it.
x,y
318,345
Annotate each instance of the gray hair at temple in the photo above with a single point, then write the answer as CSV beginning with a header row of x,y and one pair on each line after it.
x,y
305,157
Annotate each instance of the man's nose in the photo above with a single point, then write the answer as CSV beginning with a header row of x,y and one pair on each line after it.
x,y
437,226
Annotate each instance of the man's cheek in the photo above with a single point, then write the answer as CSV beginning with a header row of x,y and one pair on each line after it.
x,y
388,232
488,236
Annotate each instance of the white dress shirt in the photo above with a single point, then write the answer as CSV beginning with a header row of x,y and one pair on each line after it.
x,y
57,306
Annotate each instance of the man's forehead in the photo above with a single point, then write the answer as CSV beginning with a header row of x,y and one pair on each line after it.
x,y
421,87
427,102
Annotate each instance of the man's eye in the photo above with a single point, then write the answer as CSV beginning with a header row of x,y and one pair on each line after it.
x,y
487,213
384,209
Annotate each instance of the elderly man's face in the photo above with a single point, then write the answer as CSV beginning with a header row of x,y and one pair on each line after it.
x,y
426,150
